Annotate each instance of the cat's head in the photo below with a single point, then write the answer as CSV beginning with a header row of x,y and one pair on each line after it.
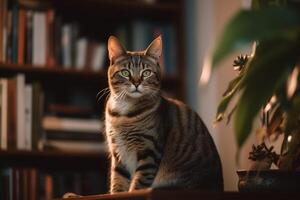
x,y
134,74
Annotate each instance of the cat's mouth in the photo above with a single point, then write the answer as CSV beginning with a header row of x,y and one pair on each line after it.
x,y
136,91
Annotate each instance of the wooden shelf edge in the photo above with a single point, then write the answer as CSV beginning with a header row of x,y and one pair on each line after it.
x,y
59,71
56,70
54,159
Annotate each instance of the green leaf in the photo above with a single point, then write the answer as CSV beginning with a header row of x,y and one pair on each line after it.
x,y
248,26
233,87
267,72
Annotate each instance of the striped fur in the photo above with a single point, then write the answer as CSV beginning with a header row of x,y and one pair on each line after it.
x,y
154,141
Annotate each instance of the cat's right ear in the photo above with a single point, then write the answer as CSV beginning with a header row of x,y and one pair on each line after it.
x,y
115,49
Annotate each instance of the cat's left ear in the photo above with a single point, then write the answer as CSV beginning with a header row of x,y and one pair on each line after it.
x,y
115,48
155,48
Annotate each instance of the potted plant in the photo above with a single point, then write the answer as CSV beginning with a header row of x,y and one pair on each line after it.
x,y
267,82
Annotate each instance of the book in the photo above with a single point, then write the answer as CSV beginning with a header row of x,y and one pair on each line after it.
x,y
50,54
15,31
58,40
66,46
11,113
4,100
73,39
81,53
3,38
98,57
21,36
72,124
29,37
39,39
37,113
20,100
28,117
9,38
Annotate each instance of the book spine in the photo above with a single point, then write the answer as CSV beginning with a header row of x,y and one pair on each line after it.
x,y
4,110
4,30
15,19
20,98
21,36
81,53
11,113
28,117
66,46
39,39
37,113
58,40
29,35
98,57
50,38
9,37
73,41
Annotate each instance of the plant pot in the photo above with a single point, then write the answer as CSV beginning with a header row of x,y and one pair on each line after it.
x,y
268,180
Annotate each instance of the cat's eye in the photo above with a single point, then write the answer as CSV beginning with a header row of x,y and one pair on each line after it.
x,y
125,73
146,73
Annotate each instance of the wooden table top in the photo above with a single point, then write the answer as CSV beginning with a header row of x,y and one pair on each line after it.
x,y
191,195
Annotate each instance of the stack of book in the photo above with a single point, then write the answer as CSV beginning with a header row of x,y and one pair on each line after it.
x,y
31,184
25,126
39,37
72,134
137,35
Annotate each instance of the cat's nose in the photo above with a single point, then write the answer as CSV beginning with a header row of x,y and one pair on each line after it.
x,y
136,84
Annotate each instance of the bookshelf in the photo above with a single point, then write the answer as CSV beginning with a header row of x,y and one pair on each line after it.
x,y
58,81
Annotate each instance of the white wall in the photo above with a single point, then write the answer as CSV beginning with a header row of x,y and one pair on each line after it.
x,y
205,22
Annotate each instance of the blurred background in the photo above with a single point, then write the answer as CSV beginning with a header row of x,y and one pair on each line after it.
x,y
53,62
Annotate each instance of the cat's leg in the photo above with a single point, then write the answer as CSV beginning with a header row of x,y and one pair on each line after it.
x,y
146,170
119,177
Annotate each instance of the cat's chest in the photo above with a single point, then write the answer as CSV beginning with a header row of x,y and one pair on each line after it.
x,y
127,155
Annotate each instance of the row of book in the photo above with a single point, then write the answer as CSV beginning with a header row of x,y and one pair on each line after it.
x,y
24,124
31,184
138,34
41,38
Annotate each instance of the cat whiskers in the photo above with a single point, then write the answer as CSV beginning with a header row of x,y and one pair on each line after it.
x,y
102,93
120,96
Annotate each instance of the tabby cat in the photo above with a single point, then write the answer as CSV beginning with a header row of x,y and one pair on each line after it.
x,y
154,142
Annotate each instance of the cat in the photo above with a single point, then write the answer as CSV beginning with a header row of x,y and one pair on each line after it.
x,y
154,141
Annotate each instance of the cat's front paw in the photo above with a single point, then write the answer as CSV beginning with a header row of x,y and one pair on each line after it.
x,y
70,195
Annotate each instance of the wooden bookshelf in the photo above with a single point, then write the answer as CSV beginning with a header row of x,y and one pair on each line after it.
x,y
54,160
101,18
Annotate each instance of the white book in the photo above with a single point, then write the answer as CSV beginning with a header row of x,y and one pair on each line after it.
x,y
66,46
3,83
21,111
81,50
71,124
39,39
28,117
98,57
